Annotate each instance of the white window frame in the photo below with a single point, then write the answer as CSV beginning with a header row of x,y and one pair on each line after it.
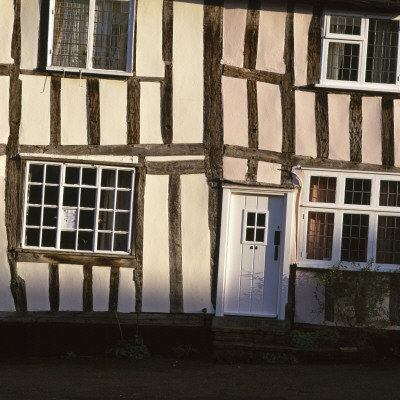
x,y
361,39
60,207
374,210
89,69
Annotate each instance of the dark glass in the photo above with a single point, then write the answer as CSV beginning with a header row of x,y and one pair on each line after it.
x,y
107,199
88,197
251,219
70,196
50,216
260,235
86,219
68,240
36,173
249,234
32,236
51,195
33,216
85,240
124,179
108,178
89,176
120,242
49,237
261,220
53,174
72,175
104,241
121,221
35,194
123,200
105,220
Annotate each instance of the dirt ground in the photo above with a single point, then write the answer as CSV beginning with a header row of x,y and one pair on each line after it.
x,y
167,378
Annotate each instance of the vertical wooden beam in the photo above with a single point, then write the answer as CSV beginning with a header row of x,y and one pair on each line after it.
x,y
314,47
251,34
54,287
355,128
43,35
167,39
114,289
87,288
322,124
175,244
133,111
93,111
55,111
387,132
252,104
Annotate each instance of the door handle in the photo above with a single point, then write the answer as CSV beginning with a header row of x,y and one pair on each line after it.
x,y
255,247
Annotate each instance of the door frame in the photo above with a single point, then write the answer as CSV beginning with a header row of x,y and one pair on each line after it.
x,y
287,224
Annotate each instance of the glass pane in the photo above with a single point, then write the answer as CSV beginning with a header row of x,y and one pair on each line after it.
x,y
70,196
32,236
50,216
382,51
33,216
320,235
35,194
121,221
120,242
249,234
389,194
85,241
355,237
68,240
107,199
108,178
345,25
53,174
105,220
36,173
86,219
260,235
123,200
261,220
49,237
357,191
322,189
124,179
89,176
72,175
88,197
104,241
343,59
51,195
388,240
251,219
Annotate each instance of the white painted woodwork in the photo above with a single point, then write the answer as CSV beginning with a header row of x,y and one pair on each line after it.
x,y
156,246
396,116
149,60
306,141
371,130
36,277
269,172
71,287
88,157
126,291
6,29
269,116
30,19
150,113
101,288
4,108
113,102
271,36
73,112
188,71
235,168
235,13
35,114
234,103
196,256
339,138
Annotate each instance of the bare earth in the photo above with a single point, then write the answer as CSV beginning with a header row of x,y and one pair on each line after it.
x,y
162,378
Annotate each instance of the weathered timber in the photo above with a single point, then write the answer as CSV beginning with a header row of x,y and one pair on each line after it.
x,y
93,111
114,289
394,300
291,304
43,35
74,258
252,111
260,155
166,106
87,295
54,287
4,69
133,111
387,132
3,149
251,34
355,128
167,38
252,169
175,244
175,167
322,124
213,123
252,75
314,47
55,111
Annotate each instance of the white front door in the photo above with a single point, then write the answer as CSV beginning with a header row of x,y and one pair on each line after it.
x,y
253,266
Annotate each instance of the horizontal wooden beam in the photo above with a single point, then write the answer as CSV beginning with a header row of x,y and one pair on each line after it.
x,y
4,69
175,167
252,75
255,154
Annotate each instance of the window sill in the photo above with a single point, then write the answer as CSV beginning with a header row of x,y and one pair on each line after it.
x,y
84,71
359,88
386,268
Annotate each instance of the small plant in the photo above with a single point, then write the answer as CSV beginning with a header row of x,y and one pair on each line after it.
x,y
317,338
133,349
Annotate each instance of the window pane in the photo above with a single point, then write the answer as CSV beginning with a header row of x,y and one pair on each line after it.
x,y
319,235
104,241
85,240
88,197
108,178
124,179
32,236
68,240
33,216
50,216
105,222
35,194
70,33
260,235
53,174
261,220
345,25
70,196
249,234
322,189
86,219
389,194
123,200
89,176
51,195
343,59
72,175
357,191
355,237
36,173
49,237
120,242
251,219
107,199
388,240
121,221
111,22
382,51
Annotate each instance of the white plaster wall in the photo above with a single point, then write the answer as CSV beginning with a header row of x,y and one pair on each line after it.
x,y
73,112
235,13
302,19
36,276
126,292
271,37
269,172
396,116
6,299
101,288
306,142
4,108
195,244
234,103
71,287
269,116
35,117
156,247
113,103
188,72
150,113
235,168
306,304
371,130
339,137
6,29
30,18
149,60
